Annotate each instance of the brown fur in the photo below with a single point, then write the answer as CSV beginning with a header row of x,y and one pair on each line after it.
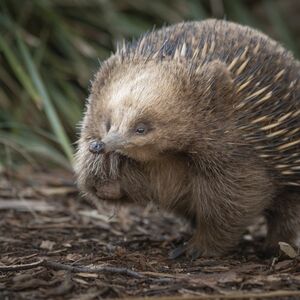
x,y
221,105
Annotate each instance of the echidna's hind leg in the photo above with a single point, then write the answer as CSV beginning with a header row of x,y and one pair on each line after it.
x,y
283,220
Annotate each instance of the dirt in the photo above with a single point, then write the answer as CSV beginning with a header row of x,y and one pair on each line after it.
x,y
70,250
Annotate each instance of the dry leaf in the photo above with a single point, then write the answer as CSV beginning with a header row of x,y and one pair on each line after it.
x,y
288,249
47,245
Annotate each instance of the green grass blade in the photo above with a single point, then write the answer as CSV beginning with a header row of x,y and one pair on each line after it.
x,y
49,108
19,71
31,148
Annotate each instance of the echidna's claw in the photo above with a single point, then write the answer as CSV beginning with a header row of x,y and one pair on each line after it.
x,y
178,251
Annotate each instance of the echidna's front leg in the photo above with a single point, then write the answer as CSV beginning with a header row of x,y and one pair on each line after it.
x,y
224,208
214,237
110,190
99,176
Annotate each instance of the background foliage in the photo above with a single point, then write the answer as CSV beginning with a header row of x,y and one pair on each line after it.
x,y
49,50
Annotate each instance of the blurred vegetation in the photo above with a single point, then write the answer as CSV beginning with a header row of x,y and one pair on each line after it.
x,y
49,50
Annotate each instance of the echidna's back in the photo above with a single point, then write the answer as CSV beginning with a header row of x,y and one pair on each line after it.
x,y
265,75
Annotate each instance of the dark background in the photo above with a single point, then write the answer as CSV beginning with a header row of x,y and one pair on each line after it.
x,y
49,51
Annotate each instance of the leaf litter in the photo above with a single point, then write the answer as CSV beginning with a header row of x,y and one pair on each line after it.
x,y
55,245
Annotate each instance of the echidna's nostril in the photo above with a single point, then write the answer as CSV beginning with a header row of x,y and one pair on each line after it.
x,y
96,147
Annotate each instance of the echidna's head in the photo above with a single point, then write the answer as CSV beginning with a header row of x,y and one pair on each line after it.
x,y
140,112
146,111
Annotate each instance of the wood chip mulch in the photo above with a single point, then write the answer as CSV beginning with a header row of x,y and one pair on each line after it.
x,y
56,245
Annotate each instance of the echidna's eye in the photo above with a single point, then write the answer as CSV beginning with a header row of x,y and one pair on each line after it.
x,y
141,129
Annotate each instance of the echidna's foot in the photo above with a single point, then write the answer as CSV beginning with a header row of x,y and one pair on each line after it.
x,y
191,251
109,190
194,253
178,251
201,245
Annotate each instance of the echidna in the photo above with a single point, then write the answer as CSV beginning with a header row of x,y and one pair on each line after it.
x,y
201,118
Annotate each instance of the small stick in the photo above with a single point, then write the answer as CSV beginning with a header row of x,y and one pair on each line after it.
x,y
13,268
105,269
231,296
76,269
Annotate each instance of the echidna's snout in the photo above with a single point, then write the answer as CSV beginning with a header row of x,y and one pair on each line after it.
x,y
97,147
110,143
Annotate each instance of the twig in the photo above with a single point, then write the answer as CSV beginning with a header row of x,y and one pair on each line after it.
x,y
76,269
13,268
58,266
265,295
148,276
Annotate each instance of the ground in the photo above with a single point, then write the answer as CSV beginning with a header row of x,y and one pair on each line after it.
x,y
56,245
